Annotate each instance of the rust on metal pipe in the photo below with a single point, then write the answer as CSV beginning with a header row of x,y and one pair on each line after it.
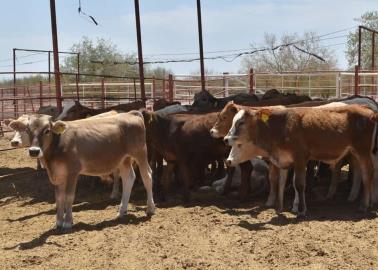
x,y
56,56
356,80
251,81
40,94
140,52
170,87
103,93
359,46
14,83
202,64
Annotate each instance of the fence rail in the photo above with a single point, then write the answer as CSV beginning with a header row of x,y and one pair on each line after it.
x,y
100,91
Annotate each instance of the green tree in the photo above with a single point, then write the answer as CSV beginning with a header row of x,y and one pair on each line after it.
x,y
289,58
370,20
103,51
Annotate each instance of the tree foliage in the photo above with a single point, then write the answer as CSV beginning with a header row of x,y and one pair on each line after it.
x,y
101,50
289,58
370,20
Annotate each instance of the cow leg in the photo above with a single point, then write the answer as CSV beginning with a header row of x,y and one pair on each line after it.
x,y
70,197
59,200
334,179
185,176
116,183
367,172
146,173
281,189
356,180
296,197
273,179
245,186
230,175
167,178
300,185
128,177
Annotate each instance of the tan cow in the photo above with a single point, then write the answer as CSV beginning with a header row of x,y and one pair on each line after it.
x,y
92,146
293,136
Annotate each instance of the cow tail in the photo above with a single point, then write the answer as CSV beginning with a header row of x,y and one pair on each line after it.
x,y
375,139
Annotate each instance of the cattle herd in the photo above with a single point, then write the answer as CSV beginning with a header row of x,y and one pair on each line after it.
x,y
292,135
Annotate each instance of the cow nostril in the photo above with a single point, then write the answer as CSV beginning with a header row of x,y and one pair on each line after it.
x,y
14,143
225,140
211,131
34,152
228,162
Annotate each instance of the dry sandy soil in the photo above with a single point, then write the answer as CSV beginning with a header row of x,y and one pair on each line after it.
x,y
213,232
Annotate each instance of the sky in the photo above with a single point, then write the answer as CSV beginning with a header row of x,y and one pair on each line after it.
x,y
170,27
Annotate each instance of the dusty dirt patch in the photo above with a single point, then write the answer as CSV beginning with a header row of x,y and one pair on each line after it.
x,y
213,232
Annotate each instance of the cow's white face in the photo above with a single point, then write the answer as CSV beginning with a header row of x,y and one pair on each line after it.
x,y
242,152
67,107
21,137
238,134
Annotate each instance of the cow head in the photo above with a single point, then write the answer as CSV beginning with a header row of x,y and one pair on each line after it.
x,y
203,100
242,152
73,110
21,136
42,131
224,121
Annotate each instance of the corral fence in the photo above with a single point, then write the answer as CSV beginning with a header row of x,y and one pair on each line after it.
x,y
99,91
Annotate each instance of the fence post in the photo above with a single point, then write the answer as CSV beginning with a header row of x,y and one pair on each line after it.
x,y
170,87
77,87
103,93
338,84
251,81
225,84
356,80
24,99
153,88
40,94
309,85
135,97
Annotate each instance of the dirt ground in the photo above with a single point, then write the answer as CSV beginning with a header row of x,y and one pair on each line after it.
x,y
213,232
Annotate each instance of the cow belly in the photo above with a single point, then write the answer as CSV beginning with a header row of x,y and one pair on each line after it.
x,y
100,167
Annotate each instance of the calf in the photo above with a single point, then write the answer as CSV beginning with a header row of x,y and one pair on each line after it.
x,y
90,147
293,136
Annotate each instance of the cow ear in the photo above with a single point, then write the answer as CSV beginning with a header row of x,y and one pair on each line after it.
x,y
17,125
59,127
7,122
264,114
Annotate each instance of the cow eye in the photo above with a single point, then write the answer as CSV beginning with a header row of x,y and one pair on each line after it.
x,y
241,123
46,131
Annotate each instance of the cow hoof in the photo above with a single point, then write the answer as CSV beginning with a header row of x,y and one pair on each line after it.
x,y
67,226
120,215
294,209
269,204
279,210
114,196
150,210
301,214
363,208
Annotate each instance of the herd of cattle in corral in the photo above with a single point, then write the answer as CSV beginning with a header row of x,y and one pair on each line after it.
x,y
287,135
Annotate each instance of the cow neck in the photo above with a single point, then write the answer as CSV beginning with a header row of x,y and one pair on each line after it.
x,y
159,126
261,135
48,153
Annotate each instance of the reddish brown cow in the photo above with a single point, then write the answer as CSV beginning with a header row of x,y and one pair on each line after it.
x,y
293,136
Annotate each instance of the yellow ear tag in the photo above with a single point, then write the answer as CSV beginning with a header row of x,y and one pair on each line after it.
x,y
60,129
264,117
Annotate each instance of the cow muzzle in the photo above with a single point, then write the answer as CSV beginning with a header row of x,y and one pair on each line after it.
x,y
214,133
229,140
35,152
15,143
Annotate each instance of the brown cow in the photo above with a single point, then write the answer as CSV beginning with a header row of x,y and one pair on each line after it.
x,y
184,139
91,147
74,111
293,136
